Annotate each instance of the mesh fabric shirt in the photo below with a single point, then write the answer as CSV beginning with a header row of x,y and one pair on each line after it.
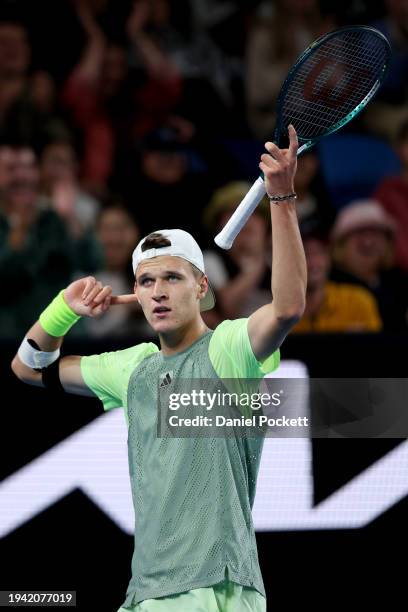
x,y
193,495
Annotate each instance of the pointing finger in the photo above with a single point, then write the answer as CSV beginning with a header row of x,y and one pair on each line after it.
x,y
293,142
124,299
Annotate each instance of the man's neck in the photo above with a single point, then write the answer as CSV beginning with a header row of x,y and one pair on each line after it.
x,y
180,339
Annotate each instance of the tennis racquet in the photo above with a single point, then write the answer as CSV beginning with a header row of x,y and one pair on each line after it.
x,y
331,82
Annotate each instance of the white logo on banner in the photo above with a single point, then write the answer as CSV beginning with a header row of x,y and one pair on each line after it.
x,y
95,460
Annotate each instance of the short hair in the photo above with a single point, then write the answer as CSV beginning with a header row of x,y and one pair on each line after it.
x,y
155,240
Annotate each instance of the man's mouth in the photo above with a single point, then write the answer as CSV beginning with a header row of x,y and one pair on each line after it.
x,y
161,311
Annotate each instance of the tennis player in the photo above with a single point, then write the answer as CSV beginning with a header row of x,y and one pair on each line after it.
x,y
195,547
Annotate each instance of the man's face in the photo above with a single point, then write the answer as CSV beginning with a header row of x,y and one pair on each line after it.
x,y
58,163
367,246
118,235
164,167
168,291
14,49
24,175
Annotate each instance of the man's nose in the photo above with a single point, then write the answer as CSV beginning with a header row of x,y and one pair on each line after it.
x,y
159,290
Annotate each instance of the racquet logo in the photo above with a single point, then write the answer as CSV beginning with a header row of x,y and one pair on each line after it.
x,y
330,84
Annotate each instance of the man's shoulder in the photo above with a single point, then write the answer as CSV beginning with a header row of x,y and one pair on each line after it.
x,y
138,352
229,327
121,358
227,336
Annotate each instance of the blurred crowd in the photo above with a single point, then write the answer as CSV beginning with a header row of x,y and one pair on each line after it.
x,y
121,118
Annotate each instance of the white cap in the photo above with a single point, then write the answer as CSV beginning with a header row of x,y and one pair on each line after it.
x,y
182,245
359,215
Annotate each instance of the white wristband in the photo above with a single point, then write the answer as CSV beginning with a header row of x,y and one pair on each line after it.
x,y
33,358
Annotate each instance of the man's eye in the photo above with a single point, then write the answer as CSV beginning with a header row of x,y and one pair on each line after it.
x,y
172,277
145,282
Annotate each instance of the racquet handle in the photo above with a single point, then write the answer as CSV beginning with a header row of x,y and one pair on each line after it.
x,y
231,229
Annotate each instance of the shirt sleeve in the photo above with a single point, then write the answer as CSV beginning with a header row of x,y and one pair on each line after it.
x,y
108,374
231,353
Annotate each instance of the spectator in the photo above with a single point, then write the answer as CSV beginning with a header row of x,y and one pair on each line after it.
x,y
332,307
185,66
390,107
97,97
313,201
275,41
241,276
27,100
118,233
61,190
392,193
15,57
37,255
161,184
363,240
152,40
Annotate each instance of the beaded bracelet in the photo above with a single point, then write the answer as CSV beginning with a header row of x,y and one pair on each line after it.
x,y
281,198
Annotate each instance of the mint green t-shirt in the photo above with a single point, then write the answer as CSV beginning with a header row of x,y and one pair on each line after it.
x,y
192,496
108,374
230,352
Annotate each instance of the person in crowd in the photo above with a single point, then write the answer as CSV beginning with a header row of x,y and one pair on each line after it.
x,y
159,181
15,58
240,275
390,107
332,307
118,233
37,254
187,65
152,40
313,201
28,105
392,193
97,97
60,188
363,245
280,33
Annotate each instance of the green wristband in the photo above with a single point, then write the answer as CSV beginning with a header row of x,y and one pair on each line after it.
x,y
58,318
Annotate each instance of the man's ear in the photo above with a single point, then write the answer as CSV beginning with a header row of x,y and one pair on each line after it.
x,y
203,286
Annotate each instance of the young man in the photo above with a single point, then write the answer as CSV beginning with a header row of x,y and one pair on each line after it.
x,y
195,545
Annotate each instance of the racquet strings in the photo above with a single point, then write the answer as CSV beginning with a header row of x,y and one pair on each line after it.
x,y
333,81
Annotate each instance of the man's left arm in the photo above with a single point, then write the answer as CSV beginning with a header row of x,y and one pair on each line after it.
x,y
269,325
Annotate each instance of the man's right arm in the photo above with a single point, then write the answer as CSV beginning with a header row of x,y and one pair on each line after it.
x,y
84,297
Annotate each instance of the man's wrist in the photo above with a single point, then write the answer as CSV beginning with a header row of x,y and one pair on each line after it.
x,y
58,318
282,197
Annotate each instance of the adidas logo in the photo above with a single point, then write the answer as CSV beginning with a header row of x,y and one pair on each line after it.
x,y
165,379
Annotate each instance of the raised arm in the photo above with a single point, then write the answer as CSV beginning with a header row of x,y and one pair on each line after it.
x,y
84,297
269,325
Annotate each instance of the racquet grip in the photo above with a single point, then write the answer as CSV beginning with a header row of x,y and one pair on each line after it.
x,y
245,209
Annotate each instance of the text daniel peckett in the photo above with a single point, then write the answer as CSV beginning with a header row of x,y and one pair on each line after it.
x,y
205,421
195,398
